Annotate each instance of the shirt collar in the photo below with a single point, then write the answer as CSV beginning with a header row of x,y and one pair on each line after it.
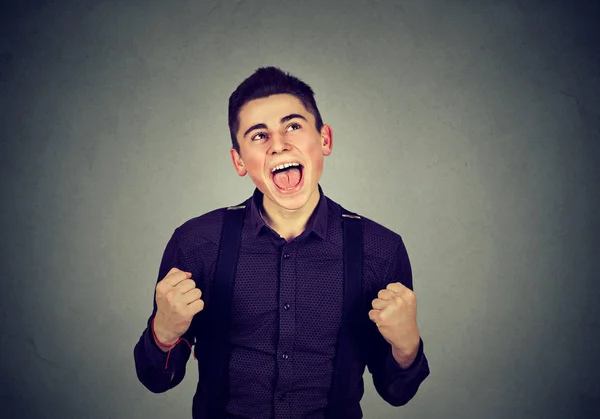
x,y
317,223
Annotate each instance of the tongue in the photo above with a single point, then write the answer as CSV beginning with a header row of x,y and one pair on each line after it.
x,y
287,179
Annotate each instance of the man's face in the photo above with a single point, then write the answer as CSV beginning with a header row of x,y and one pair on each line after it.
x,y
279,130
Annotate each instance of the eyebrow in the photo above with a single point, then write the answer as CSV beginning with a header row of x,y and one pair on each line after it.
x,y
281,121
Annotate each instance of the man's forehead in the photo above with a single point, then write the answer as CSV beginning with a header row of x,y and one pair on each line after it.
x,y
271,107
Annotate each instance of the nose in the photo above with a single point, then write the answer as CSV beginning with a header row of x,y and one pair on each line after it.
x,y
279,144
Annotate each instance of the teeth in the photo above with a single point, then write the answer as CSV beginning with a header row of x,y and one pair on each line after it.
x,y
283,166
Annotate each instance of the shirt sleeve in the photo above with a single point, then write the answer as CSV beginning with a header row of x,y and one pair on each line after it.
x,y
395,385
151,365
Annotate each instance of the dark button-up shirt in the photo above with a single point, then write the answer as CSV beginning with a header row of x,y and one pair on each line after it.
x,y
285,316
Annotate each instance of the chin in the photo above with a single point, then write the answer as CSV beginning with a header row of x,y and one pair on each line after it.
x,y
291,201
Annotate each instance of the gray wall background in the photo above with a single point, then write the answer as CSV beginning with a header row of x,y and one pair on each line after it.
x,y
469,127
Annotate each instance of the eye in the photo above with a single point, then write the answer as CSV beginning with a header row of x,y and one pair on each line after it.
x,y
259,136
293,126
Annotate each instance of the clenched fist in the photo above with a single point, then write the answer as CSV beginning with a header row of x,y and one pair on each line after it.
x,y
395,314
177,301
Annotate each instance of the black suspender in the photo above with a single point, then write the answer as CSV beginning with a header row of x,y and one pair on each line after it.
x,y
351,321
220,309
218,312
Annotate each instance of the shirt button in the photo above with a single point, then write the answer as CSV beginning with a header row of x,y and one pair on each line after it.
x,y
286,306
285,356
286,255
281,397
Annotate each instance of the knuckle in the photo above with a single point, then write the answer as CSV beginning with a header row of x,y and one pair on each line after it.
x,y
170,296
408,294
383,316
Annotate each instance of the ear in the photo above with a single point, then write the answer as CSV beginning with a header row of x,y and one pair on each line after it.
x,y
326,139
238,163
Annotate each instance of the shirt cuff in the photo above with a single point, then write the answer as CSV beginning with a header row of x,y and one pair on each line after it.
x,y
406,374
157,356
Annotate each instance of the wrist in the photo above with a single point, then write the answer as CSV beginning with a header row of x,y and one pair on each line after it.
x,y
406,355
164,339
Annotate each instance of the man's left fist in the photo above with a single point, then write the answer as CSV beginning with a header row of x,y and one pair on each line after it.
x,y
395,314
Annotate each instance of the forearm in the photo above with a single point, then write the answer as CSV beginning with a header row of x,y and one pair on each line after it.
x,y
156,368
150,364
400,363
396,384
160,367
408,370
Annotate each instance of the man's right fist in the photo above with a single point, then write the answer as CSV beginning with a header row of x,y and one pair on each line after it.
x,y
177,301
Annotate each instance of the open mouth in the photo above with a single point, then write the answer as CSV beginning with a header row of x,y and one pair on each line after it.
x,y
288,177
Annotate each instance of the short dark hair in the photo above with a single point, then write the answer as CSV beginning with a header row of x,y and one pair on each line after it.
x,y
267,81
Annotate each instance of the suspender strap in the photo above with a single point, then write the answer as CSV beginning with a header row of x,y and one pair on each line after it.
x,y
347,342
218,312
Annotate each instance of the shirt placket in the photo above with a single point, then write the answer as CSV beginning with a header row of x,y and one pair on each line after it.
x,y
287,327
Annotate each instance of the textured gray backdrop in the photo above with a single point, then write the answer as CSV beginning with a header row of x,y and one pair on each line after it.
x,y
469,127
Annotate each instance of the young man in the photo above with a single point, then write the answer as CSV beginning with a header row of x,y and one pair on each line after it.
x,y
275,329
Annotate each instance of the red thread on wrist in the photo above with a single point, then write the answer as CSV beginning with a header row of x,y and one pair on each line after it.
x,y
166,345
170,346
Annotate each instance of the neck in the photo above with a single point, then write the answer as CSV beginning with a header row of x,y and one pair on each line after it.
x,y
289,223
